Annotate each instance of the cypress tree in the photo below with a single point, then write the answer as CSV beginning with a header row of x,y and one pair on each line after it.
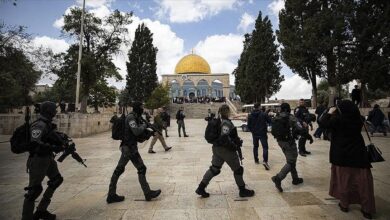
x,y
141,68
263,67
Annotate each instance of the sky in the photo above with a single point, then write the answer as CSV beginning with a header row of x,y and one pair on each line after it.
x,y
213,29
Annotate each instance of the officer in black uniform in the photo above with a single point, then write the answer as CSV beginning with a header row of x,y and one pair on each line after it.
x,y
289,148
41,163
225,150
301,113
135,131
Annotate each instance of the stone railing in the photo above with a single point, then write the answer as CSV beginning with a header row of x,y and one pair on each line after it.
x,y
75,124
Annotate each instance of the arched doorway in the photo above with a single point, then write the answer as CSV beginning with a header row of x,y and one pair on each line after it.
x,y
175,89
188,87
217,89
202,87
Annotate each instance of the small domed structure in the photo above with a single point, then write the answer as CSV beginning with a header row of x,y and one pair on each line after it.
x,y
192,64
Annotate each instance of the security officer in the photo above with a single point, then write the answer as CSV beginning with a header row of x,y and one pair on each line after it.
x,y
225,151
41,163
301,113
180,121
135,131
289,148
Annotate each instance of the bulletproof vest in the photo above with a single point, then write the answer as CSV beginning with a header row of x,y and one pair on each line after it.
x,y
281,127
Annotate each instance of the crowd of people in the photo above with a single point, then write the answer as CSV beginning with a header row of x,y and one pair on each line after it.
x,y
351,179
202,99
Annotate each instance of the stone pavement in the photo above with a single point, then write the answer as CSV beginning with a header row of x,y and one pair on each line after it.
x,y
178,172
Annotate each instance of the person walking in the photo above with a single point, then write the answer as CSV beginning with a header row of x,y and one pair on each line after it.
x,y
257,124
356,95
135,131
159,125
351,180
180,121
319,110
41,163
301,113
166,120
285,129
225,151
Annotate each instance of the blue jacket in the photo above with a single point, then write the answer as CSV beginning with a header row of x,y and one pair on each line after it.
x,y
258,122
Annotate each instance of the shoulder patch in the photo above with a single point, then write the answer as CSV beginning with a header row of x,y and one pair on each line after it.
x,y
132,123
36,133
225,129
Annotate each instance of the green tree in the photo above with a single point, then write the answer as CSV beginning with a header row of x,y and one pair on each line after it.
x,y
102,39
258,70
296,38
102,95
263,67
141,68
18,75
242,82
158,98
369,57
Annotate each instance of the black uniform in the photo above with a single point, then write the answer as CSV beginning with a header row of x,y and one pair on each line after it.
x,y
41,163
180,121
301,113
135,131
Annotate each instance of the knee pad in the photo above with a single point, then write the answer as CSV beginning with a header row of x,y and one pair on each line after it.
x,y
239,171
33,192
119,170
142,170
55,182
215,170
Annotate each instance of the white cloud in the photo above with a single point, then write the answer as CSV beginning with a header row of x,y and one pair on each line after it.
x,y
101,11
246,21
56,45
60,21
170,48
294,87
221,52
192,10
275,6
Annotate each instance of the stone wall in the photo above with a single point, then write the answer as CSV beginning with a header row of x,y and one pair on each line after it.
x,y
75,125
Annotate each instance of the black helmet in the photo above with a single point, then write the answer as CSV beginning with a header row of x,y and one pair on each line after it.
x,y
285,107
138,107
48,109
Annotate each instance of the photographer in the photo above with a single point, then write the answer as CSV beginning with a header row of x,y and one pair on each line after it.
x,y
135,131
225,150
351,180
41,163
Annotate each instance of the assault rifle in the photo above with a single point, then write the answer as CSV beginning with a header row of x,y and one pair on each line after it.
x,y
70,149
149,125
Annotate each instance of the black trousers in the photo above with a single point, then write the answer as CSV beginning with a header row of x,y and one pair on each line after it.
x,y
129,153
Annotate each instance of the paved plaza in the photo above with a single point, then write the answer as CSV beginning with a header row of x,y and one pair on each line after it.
x,y
178,172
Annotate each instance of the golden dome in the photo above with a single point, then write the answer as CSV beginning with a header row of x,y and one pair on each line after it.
x,y
192,63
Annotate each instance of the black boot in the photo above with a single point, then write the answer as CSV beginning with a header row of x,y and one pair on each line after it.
x,y
43,215
297,181
152,194
278,183
114,198
246,192
201,190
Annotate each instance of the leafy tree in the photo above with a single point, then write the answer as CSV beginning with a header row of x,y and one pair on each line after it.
x,y
259,68
295,36
369,57
241,80
18,75
141,68
102,38
158,98
102,95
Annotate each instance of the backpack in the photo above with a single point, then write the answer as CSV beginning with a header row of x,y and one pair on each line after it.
x,y
213,130
281,128
118,128
20,140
